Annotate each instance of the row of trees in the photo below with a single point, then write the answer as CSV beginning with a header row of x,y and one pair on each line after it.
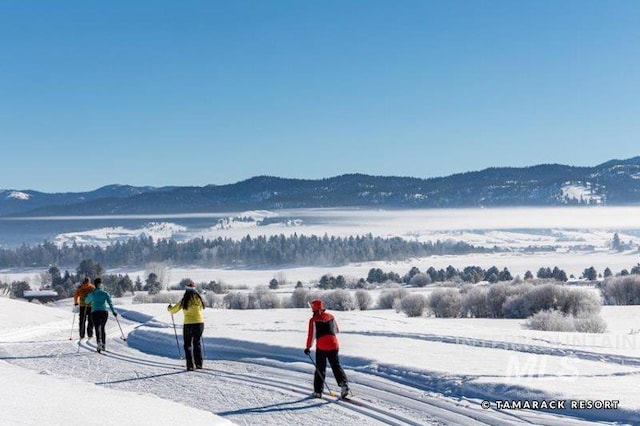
x,y
469,274
416,278
518,299
65,283
118,284
254,251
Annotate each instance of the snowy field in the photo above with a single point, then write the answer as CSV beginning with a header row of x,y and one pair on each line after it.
x,y
404,371
416,371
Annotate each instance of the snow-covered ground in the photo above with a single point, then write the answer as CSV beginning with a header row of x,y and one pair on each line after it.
x,y
403,370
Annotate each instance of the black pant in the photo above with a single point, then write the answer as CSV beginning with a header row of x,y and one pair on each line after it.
x,y
99,321
192,335
85,321
321,363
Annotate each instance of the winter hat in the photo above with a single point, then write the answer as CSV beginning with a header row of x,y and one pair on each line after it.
x,y
191,286
98,282
317,305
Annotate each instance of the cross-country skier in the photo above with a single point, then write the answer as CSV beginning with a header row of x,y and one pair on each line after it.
x,y
80,304
324,328
99,299
192,307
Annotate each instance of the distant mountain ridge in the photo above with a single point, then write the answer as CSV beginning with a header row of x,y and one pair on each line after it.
x,y
615,182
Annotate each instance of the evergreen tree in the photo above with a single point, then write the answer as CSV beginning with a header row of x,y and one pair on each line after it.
x,y
505,275
18,288
138,284
90,269
273,284
413,271
492,272
590,274
56,277
559,275
153,285
616,244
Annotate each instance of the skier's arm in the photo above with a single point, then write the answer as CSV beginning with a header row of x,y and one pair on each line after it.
x,y
310,334
175,308
113,311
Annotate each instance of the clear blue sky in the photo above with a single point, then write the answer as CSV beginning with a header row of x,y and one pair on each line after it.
x,y
211,92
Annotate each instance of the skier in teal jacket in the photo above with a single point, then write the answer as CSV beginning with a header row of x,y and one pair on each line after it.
x,y
99,299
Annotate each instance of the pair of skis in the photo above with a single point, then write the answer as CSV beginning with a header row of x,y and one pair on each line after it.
x,y
347,399
350,401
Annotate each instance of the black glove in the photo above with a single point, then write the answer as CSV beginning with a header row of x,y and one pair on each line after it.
x,y
307,351
115,314
169,306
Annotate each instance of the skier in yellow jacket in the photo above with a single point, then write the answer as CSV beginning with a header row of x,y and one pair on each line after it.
x,y
192,307
84,308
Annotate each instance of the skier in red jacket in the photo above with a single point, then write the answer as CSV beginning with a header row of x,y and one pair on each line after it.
x,y
324,328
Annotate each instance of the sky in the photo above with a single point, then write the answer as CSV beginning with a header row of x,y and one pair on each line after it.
x,y
401,370
210,92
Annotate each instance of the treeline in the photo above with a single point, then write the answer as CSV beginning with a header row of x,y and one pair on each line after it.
x,y
65,283
276,250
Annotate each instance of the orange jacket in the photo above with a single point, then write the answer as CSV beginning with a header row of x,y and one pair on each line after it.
x,y
81,292
323,327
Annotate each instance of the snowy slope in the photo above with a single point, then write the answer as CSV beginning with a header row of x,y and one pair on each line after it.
x,y
402,370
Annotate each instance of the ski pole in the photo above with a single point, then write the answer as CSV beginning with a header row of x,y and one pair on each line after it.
x,y
72,322
320,375
121,332
176,333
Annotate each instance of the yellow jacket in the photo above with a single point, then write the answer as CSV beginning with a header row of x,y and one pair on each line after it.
x,y
81,292
194,312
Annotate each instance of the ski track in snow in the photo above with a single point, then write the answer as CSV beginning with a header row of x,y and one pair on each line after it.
x,y
258,390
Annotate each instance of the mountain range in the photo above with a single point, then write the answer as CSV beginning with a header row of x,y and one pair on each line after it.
x,y
615,182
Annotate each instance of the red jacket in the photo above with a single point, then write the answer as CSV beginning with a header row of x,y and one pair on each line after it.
x,y
323,327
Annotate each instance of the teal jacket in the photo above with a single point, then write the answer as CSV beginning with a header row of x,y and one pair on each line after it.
x,y
99,299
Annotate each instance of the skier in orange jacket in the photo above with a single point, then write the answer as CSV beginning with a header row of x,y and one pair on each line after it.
x,y
84,308
324,328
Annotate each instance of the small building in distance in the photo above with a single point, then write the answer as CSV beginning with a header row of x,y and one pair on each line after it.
x,y
43,296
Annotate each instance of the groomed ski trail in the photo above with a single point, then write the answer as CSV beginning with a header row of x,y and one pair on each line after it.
x,y
254,391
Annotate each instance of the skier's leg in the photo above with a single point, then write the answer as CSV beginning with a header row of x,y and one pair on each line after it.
x,y
338,372
99,321
95,321
81,321
89,322
187,332
321,367
103,329
197,344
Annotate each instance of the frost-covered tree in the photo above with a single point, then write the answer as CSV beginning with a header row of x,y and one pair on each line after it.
x,y
152,284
